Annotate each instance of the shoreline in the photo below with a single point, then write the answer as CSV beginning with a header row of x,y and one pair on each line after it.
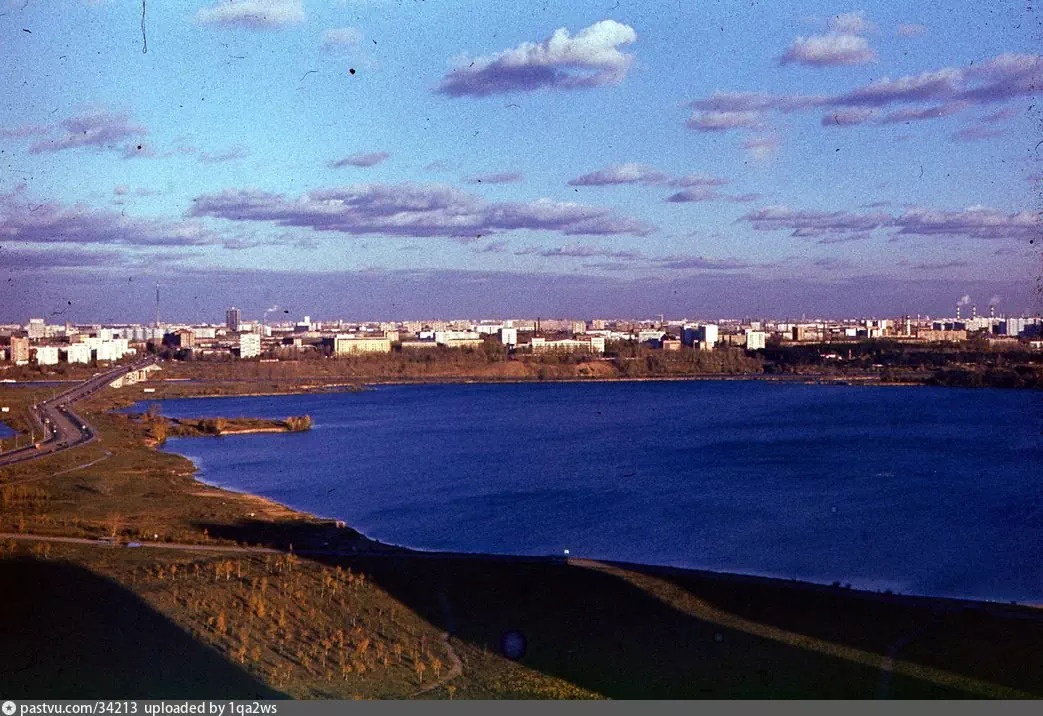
x,y
839,586
333,388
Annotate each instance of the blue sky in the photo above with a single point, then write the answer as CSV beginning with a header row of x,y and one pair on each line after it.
x,y
699,159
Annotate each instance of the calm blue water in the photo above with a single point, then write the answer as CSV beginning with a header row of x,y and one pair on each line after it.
x,y
920,490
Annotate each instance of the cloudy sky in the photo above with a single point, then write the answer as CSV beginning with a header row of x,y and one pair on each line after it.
x,y
377,159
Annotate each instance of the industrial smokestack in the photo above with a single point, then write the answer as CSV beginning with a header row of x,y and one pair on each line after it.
x,y
974,311
992,310
957,311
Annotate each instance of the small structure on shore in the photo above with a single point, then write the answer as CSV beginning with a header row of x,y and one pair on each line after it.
x,y
135,376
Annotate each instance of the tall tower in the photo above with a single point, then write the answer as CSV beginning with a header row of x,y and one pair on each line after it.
x,y
974,310
232,318
156,325
957,311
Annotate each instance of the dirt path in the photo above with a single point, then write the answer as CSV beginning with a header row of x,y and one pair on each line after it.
x,y
688,603
104,457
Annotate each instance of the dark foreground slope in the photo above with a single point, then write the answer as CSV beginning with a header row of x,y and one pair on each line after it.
x,y
66,632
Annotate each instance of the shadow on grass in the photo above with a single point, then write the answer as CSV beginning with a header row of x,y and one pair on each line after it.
x,y
66,632
600,632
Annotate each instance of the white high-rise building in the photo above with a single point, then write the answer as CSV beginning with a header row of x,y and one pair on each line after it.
x,y
707,336
107,350
47,355
78,353
755,340
249,345
37,329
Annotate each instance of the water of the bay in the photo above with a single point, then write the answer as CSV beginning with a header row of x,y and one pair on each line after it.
x,y
918,490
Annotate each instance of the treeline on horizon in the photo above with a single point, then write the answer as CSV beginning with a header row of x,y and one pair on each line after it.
x,y
970,364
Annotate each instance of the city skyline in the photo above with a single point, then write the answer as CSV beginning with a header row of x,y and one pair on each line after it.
x,y
357,159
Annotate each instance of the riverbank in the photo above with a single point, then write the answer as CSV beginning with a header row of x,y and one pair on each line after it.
x,y
334,614
217,389
755,485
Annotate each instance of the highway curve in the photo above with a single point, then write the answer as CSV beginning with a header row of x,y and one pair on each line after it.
x,y
62,428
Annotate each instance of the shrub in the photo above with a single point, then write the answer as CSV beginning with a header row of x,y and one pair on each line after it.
x,y
298,423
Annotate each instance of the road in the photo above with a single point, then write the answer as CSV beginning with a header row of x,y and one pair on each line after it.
x,y
62,428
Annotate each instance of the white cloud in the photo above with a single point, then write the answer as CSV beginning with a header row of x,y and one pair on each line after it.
x,y
630,173
365,159
252,14
590,58
843,44
829,51
713,121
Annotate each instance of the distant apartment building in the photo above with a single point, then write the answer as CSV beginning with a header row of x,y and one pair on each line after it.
x,y
344,344
803,332
47,355
936,336
19,350
183,338
755,340
140,334
78,353
204,332
578,327
1015,326
585,344
458,339
418,345
36,329
651,337
233,316
249,345
509,336
704,336
106,351
707,335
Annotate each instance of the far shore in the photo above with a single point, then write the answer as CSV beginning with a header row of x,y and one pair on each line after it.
x,y
341,387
